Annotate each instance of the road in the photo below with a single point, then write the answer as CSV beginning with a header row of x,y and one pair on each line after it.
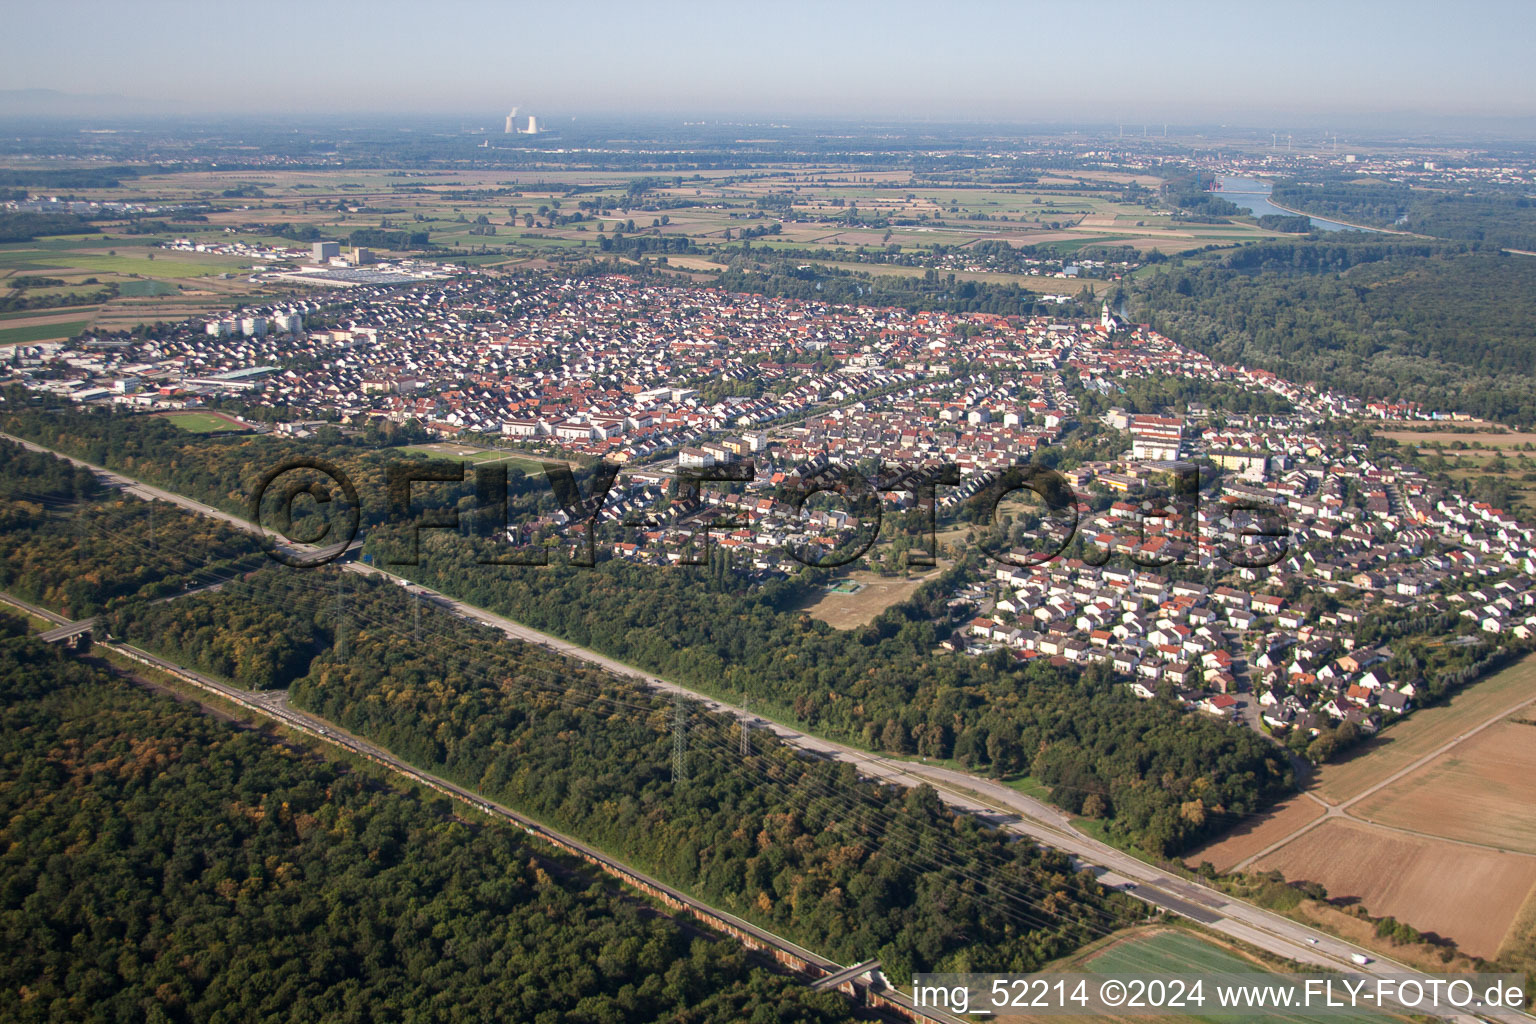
x,y
139,489
1024,815
66,629
32,609
1021,814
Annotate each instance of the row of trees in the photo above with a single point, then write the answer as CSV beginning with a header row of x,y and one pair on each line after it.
x,y
20,226
763,275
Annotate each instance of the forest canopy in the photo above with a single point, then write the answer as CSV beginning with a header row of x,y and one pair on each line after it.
x,y
162,866
1447,326
1507,221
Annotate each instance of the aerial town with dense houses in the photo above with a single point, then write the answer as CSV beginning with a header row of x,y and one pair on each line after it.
x,y
665,378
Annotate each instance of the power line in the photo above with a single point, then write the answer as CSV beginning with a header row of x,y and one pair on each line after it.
x,y
679,740
746,743
341,622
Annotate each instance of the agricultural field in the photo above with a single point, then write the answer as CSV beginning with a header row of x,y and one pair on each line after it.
x,y
1161,950
152,284
47,330
481,218
1426,730
1459,892
1257,833
1471,432
1479,791
1032,282
145,289
1520,941
1447,846
1165,950
1468,450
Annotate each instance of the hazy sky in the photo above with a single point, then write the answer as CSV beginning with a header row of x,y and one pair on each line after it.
x,y
1023,61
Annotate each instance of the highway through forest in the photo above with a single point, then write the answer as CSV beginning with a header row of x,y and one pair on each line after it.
x,y
1008,808
1015,812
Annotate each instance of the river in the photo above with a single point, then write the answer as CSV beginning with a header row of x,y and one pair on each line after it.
x,y
1253,196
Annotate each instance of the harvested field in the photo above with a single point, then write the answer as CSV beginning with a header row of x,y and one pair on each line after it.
x,y
1029,282
1520,940
1470,896
694,263
1469,431
1426,729
1257,833
1479,791
43,318
877,593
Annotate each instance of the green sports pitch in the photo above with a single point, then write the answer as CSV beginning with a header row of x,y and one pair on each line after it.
x,y
203,423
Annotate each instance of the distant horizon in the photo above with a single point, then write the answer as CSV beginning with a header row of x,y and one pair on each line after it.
x,y
979,62
79,109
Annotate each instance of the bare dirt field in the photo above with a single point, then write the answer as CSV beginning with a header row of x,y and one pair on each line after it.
x,y
1257,833
694,263
1450,432
63,316
1029,282
1479,791
847,611
1468,895
1488,445
1428,728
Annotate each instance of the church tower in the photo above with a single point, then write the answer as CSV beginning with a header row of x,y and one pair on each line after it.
x,y
1106,319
